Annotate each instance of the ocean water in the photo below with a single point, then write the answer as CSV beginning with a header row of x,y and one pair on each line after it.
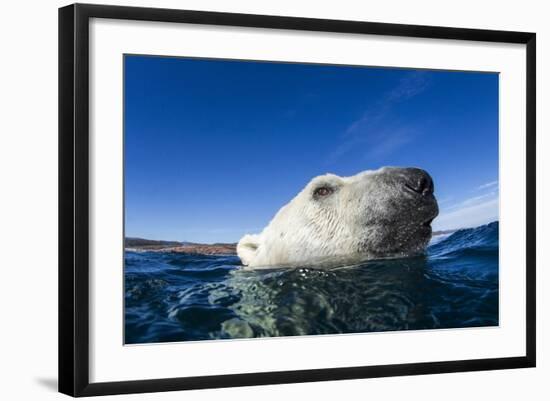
x,y
178,297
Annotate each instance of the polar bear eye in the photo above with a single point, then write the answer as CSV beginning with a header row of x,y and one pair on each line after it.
x,y
323,191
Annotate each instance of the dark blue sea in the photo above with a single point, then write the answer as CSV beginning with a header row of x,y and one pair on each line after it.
x,y
181,297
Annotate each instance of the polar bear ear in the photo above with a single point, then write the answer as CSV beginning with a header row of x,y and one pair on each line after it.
x,y
247,248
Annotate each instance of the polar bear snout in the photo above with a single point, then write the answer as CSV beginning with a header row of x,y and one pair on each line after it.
x,y
416,198
418,181
402,195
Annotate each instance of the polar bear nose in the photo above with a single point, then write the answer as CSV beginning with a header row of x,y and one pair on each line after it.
x,y
419,181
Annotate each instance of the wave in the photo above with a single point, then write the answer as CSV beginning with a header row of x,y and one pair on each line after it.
x,y
482,238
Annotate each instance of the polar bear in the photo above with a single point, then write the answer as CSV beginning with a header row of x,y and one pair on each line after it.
x,y
336,221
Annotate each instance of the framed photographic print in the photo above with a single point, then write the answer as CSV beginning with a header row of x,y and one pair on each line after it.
x,y
249,199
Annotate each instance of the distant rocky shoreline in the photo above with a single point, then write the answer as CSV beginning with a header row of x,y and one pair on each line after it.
x,y
145,245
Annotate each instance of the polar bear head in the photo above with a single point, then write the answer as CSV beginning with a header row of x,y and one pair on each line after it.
x,y
345,220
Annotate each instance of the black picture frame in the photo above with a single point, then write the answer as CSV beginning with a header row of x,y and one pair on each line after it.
x,y
74,198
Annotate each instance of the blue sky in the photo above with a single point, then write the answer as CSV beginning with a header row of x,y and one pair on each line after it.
x,y
213,148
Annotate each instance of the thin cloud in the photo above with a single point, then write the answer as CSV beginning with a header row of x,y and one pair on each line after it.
x,y
371,129
447,199
389,143
488,185
473,200
470,212
408,87
470,216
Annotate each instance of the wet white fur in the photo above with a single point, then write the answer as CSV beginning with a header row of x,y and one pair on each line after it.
x,y
307,230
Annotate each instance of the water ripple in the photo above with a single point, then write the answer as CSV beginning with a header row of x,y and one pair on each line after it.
x,y
178,297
